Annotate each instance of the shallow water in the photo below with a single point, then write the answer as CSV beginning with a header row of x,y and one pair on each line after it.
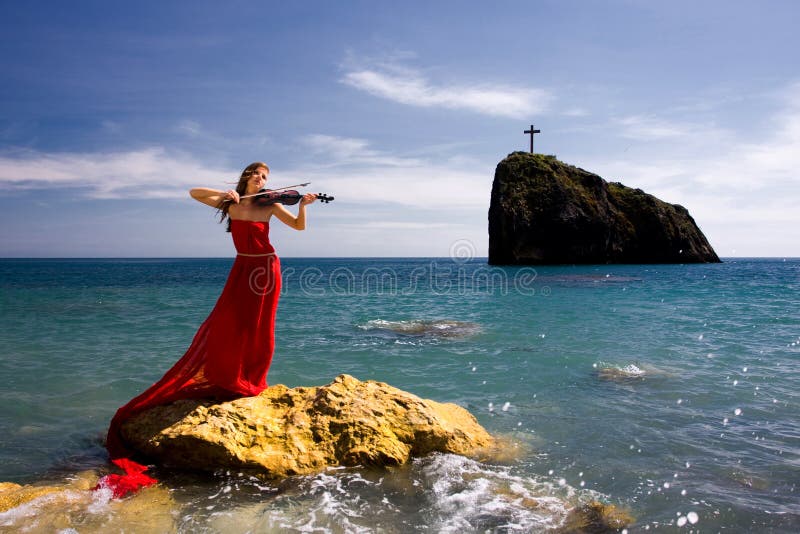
x,y
667,390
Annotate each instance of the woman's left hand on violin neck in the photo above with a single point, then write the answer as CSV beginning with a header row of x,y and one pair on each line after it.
x,y
308,198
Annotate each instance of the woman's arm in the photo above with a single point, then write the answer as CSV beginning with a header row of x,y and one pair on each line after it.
x,y
212,197
286,217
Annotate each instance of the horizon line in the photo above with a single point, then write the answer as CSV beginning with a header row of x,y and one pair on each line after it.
x,y
6,258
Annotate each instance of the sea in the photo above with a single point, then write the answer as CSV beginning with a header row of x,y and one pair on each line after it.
x,y
671,392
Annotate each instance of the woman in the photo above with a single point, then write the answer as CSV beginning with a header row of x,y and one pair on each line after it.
x,y
231,352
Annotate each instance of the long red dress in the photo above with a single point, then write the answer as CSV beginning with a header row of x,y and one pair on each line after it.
x,y
229,356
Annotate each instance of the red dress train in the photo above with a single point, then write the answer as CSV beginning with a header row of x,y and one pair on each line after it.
x,y
229,356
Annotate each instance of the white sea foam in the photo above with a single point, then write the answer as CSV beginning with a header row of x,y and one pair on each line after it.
x,y
468,495
442,492
328,502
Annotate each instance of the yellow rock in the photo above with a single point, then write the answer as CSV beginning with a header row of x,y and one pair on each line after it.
x,y
303,430
68,505
13,495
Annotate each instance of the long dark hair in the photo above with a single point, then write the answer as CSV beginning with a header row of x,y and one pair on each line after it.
x,y
241,188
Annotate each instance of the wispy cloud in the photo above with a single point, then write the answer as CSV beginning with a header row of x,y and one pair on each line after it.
x,y
371,175
700,154
409,87
332,150
738,188
341,147
575,112
149,173
189,127
656,128
648,127
336,164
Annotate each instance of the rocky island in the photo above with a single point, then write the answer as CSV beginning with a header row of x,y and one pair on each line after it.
x,y
544,211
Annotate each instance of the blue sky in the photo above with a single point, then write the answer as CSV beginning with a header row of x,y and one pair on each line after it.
x,y
111,111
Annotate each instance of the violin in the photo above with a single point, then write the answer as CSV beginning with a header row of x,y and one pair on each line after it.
x,y
282,195
290,197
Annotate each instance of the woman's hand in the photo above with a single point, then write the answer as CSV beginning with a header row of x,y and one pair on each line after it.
x,y
232,195
308,198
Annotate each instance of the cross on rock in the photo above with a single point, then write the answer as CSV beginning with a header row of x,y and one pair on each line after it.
x,y
532,131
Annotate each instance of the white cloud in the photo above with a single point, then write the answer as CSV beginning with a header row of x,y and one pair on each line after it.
x,y
417,205
712,157
344,167
409,87
575,112
148,173
738,191
344,147
654,128
333,151
189,127
367,175
644,127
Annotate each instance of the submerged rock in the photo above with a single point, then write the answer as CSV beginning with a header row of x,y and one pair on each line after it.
x,y
544,211
303,430
596,518
13,495
72,506
621,374
434,328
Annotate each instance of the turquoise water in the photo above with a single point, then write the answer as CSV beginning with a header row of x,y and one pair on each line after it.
x,y
671,391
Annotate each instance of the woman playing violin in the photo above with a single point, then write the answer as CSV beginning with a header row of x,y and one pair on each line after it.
x,y
232,350
252,180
